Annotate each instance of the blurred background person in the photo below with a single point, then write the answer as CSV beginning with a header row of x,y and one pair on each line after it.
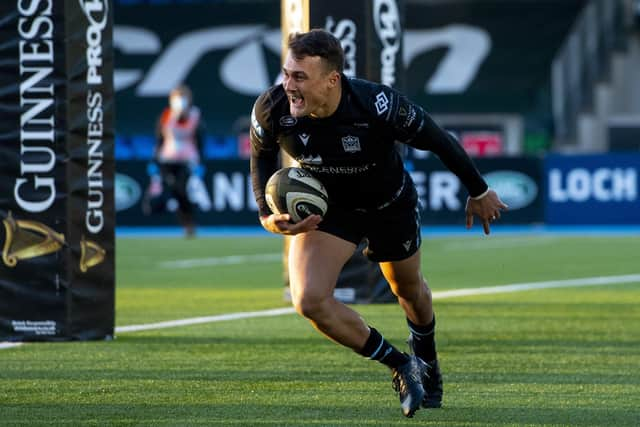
x,y
176,171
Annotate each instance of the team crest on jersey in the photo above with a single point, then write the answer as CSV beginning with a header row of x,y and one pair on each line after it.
x,y
288,121
351,144
382,103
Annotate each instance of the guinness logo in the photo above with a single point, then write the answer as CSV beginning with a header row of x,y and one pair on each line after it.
x,y
28,239
91,254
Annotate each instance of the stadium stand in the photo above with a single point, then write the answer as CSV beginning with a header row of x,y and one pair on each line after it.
x,y
220,147
123,150
143,146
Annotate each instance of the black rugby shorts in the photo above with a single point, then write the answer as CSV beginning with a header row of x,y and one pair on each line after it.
x,y
393,232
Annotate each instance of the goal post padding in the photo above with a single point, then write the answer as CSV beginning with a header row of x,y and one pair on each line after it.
x,y
57,278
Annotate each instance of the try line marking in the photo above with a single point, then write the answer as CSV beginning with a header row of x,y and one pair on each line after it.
x,y
514,287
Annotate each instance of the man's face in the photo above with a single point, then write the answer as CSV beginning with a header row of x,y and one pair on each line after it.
x,y
307,83
178,102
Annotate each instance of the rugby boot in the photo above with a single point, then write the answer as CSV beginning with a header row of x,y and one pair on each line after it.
x,y
431,381
406,380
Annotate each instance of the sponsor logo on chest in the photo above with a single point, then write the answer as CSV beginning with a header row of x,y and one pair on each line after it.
x,y
351,144
304,137
310,159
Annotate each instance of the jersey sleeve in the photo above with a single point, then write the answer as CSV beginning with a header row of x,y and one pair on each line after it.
x,y
413,126
264,151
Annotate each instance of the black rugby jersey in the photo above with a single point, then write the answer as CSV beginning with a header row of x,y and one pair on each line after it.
x,y
352,151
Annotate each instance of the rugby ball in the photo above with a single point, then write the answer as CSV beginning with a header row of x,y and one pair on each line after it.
x,y
296,192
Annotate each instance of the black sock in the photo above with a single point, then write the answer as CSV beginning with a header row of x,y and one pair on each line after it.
x,y
377,348
424,342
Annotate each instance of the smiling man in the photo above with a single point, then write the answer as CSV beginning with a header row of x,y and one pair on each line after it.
x,y
343,131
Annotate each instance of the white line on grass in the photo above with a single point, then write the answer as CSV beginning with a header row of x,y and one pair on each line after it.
x,y
514,287
4,345
225,260
503,243
517,287
207,319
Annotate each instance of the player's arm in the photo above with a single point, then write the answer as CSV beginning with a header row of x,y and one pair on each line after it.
x,y
159,136
416,128
482,200
263,163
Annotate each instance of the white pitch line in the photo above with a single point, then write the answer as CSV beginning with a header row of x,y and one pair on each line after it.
x,y
207,319
225,260
515,287
4,345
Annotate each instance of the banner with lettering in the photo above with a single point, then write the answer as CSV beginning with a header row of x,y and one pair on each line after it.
x,y
518,180
56,170
460,56
592,189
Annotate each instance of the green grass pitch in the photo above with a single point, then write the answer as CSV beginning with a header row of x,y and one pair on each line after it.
x,y
547,357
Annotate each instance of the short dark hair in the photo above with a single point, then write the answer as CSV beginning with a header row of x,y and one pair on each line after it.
x,y
318,42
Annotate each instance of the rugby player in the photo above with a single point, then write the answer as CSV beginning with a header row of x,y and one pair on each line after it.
x,y
343,131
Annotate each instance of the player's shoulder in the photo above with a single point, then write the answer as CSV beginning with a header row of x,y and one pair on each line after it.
x,y
268,109
165,115
270,104
375,98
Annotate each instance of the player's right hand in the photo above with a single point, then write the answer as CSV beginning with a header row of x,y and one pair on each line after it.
x,y
280,224
487,208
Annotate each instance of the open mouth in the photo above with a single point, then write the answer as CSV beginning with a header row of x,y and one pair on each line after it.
x,y
296,100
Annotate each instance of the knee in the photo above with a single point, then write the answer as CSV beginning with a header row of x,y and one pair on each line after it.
x,y
309,305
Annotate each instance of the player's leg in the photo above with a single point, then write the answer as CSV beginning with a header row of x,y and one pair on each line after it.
x,y
185,208
408,284
394,242
315,261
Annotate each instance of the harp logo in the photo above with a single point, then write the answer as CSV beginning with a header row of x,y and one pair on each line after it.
x,y
27,239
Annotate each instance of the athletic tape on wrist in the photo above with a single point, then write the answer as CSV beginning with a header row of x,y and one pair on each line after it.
x,y
482,195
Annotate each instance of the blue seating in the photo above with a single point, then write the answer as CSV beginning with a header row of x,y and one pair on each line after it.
x,y
122,148
220,147
143,146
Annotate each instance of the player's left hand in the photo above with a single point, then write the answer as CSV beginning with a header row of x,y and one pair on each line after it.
x,y
488,209
281,224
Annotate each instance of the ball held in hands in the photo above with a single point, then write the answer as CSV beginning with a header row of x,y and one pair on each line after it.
x,y
297,192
